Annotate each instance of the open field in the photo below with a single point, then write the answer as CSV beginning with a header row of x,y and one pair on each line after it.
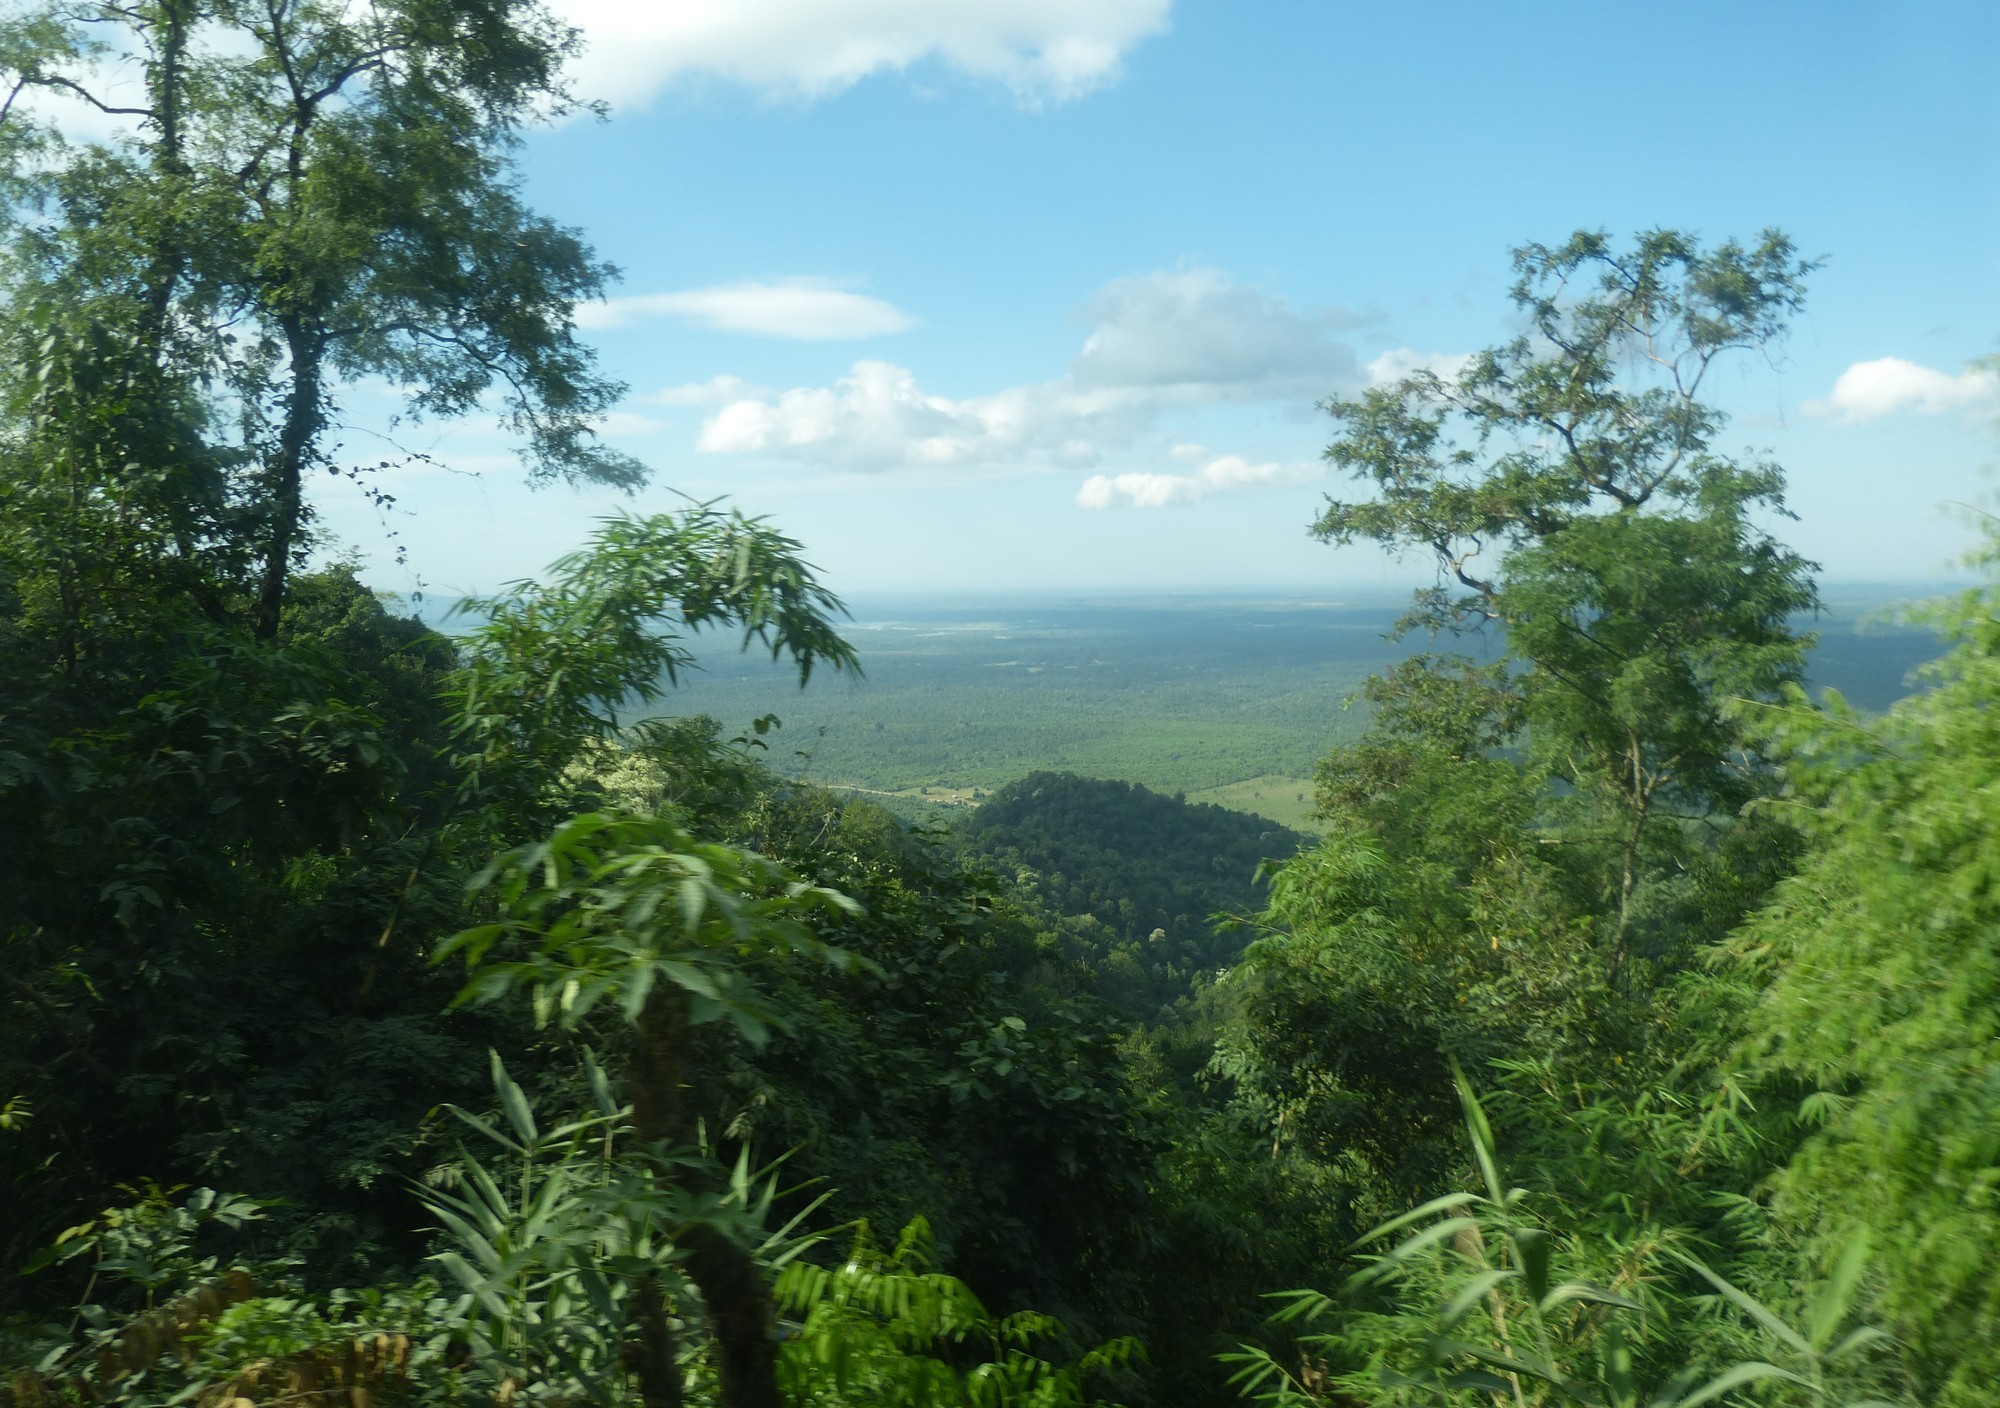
x,y
1228,700
1285,800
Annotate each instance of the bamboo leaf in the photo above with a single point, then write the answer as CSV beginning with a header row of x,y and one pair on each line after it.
x,y
1831,1305
487,1128
1392,1260
513,1102
1472,1293
1749,1304
1728,1380
1417,1214
1580,1291
600,1086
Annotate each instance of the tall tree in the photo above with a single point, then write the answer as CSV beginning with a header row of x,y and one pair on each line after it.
x,y
1568,486
308,193
1525,845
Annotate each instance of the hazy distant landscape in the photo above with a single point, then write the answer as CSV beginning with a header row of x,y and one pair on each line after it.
x,y
1226,699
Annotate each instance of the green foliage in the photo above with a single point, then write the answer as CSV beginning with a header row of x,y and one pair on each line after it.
x,y
551,665
546,1244
228,858
157,1274
883,1328
964,1072
149,1245
324,197
1527,857
243,809
1488,1302
197,873
1147,874
545,1249
219,829
1345,1030
1522,853
558,1245
1176,698
1636,590
1873,978
610,906
1220,700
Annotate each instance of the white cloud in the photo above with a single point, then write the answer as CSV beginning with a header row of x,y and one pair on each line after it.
x,y
1157,343
877,417
810,310
1041,49
1401,362
1146,489
1870,390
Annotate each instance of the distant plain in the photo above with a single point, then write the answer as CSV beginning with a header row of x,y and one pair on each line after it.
x,y
1226,699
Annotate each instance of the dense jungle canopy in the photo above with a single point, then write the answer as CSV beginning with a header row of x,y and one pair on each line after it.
x,y
445,1018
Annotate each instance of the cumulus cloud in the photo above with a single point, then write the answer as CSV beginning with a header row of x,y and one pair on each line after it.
x,y
811,310
1146,489
1044,50
1870,390
1155,344
877,417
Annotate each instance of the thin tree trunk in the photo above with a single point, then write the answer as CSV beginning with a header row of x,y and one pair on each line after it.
x,y
304,414
165,78
1628,878
740,1308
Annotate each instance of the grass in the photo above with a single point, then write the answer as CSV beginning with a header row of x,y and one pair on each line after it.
x,y
1285,800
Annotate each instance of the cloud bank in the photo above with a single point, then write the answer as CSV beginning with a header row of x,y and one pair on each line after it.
x,y
1868,391
877,418
1043,50
811,310
1156,344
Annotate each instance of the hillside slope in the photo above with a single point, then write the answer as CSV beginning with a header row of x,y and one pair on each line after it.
x,y
1137,875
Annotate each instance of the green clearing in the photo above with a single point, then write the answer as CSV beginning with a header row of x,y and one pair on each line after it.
x,y
1285,800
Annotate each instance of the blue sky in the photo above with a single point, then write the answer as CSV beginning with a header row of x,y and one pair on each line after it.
x,y
1041,293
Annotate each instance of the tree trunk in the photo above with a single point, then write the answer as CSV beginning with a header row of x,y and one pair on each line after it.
x,y
656,1358
165,76
740,1310
742,1315
304,415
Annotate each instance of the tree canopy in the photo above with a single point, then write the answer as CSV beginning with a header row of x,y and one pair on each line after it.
x,y
307,196
442,1018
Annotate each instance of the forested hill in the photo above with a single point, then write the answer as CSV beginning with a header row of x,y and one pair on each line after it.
x,y
1148,871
